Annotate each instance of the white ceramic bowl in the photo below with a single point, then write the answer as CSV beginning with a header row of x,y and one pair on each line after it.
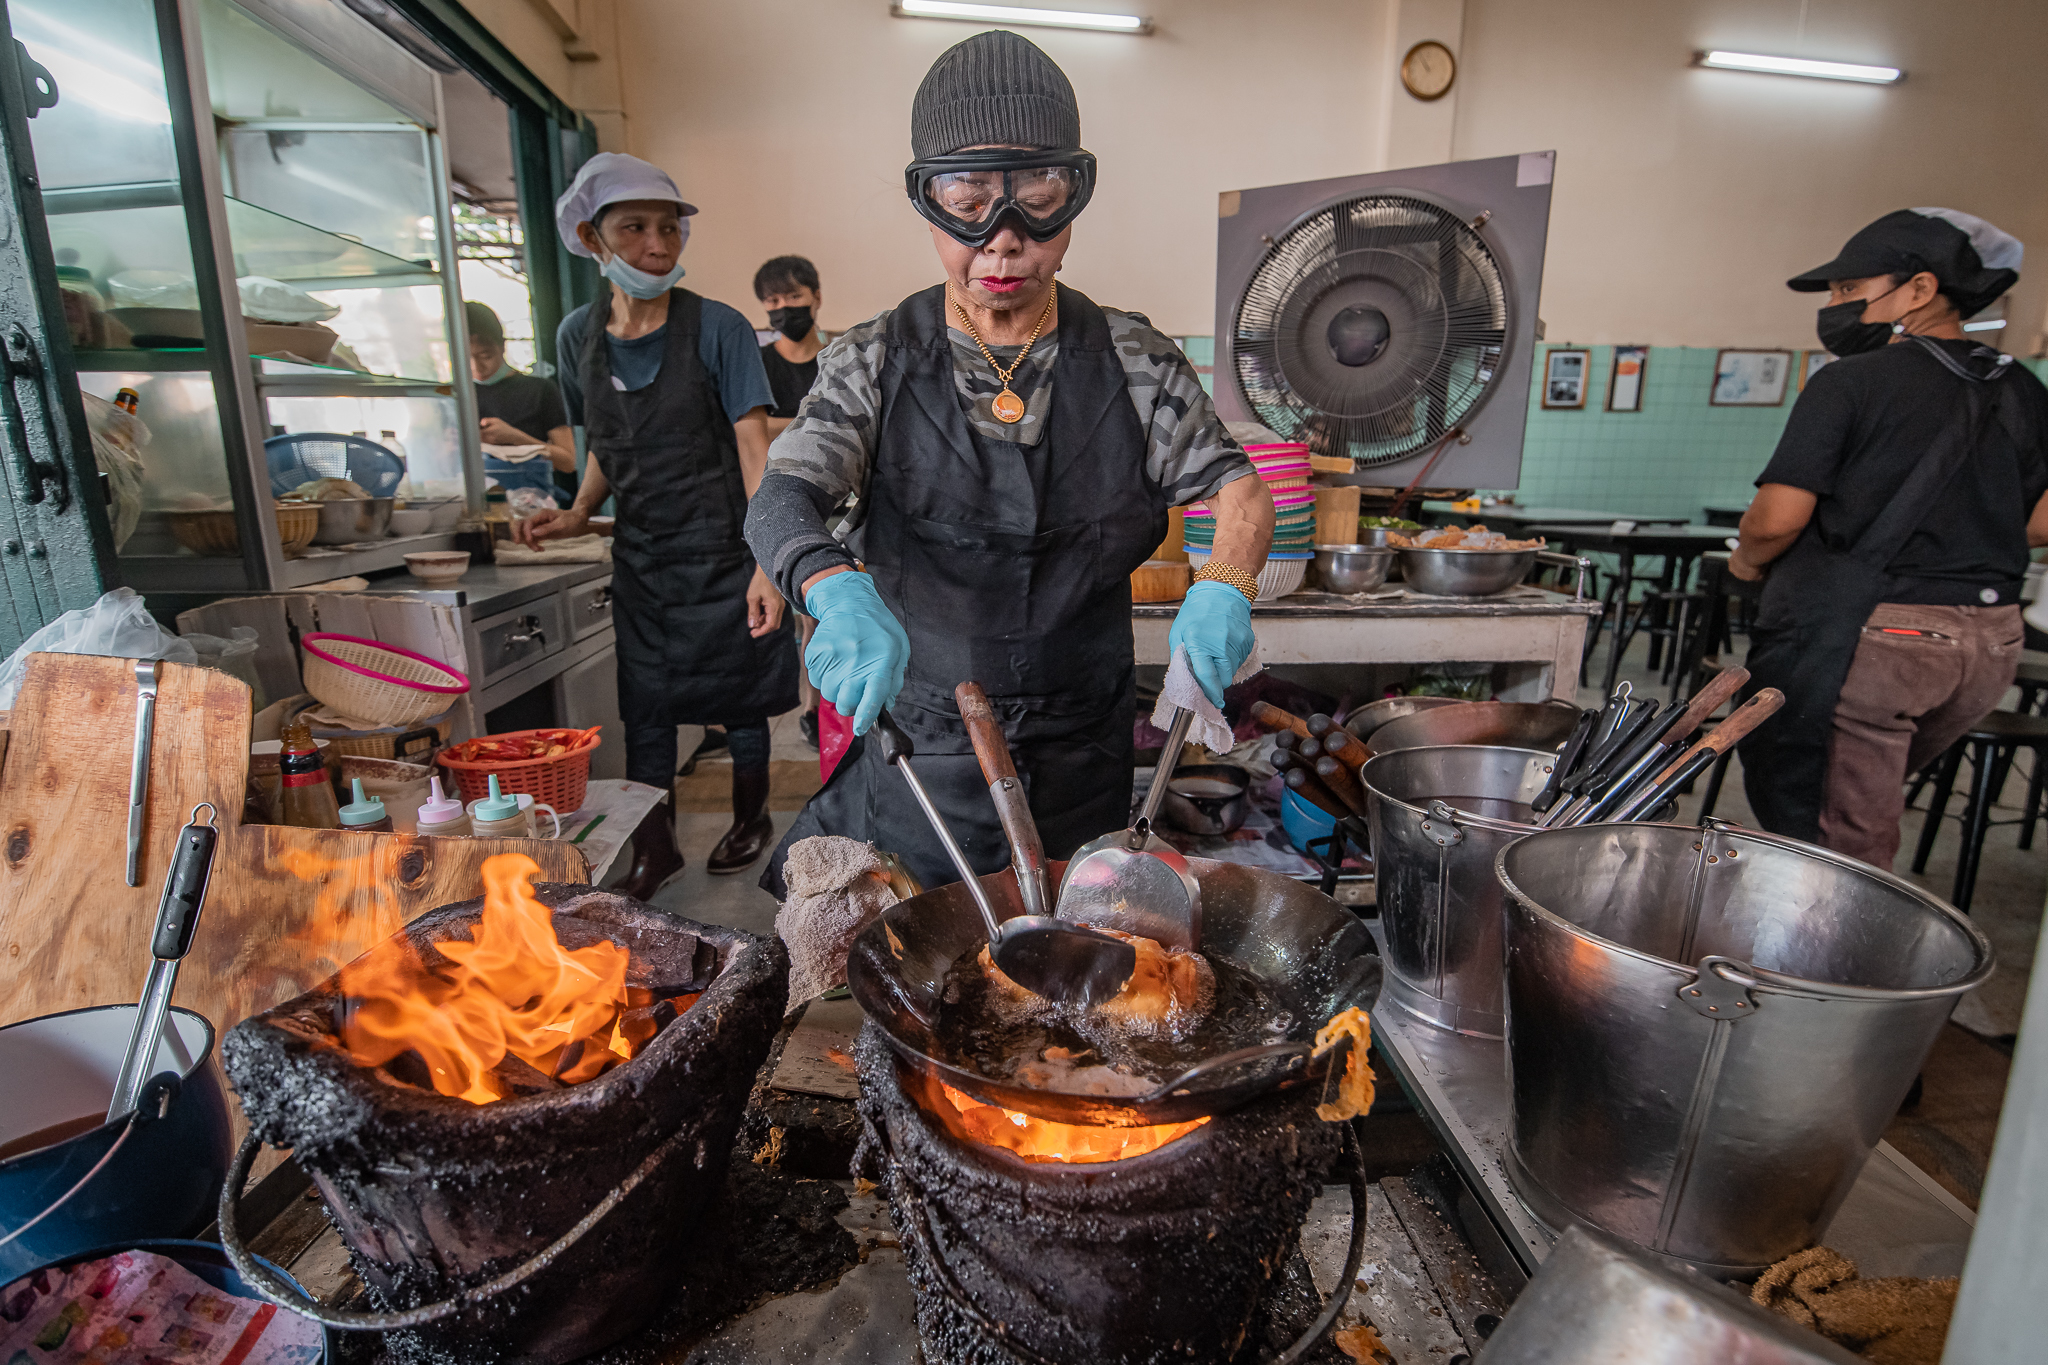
x,y
411,521
438,567
1278,578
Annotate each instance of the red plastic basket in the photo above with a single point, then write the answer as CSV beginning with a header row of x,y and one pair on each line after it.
x,y
559,782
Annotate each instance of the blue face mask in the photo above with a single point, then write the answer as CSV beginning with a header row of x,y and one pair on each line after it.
x,y
639,283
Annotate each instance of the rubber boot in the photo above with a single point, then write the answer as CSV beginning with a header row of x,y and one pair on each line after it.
x,y
753,829
656,859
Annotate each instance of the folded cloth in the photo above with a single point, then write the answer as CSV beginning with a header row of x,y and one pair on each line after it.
x,y
591,549
515,454
1899,1321
1209,730
837,887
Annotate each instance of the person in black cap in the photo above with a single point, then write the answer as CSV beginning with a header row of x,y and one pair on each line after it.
x,y
1012,448
1892,529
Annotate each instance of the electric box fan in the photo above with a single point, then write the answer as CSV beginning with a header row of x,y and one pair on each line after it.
x,y
1388,318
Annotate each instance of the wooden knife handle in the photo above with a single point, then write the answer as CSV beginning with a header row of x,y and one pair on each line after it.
x,y
1705,702
1271,717
1343,782
1731,731
1306,785
987,736
1346,748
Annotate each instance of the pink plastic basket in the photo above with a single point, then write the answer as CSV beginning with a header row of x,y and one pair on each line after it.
x,y
373,681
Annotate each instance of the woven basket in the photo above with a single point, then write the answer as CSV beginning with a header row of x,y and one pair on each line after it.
x,y
296,525
376,682
559,782
215,534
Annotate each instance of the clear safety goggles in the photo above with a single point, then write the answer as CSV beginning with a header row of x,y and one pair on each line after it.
x,y
971,194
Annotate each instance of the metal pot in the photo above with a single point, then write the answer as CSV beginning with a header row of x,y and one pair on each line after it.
x,y
1708,1030
1518,724
1464,573
1371,716
1195,803
344,521
1438,817
167,1174
1352,568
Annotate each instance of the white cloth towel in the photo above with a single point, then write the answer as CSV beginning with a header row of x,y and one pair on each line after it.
x,y
515,454
1209,730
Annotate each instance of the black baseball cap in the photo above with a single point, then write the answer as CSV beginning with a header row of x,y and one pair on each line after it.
x,y
1973,261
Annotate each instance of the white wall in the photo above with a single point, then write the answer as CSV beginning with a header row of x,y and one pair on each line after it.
x,y
1685,197
787,123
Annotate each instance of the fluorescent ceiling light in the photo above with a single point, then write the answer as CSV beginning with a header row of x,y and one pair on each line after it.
x,y
1018,14
1987,325
1800,66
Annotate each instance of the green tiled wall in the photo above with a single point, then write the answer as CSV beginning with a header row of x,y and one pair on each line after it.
x,y
1676,456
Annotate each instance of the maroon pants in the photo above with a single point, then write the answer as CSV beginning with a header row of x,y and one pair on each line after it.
x,y
1907,698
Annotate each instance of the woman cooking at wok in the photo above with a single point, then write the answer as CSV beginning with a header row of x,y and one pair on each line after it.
x,y
1012,449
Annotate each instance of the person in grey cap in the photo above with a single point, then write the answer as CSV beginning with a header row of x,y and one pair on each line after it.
x,y
1010,449
1891,528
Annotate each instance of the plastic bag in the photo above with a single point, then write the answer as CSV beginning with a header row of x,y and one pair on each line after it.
x,y
153,289
525,502
234,656
269,300
117,440
118,625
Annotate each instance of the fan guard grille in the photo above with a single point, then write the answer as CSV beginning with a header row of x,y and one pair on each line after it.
x,y
1371,328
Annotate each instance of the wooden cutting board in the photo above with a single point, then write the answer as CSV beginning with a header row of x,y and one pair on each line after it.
x,y
286,906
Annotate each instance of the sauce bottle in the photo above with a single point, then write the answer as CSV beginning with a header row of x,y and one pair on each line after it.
x,y
498,816
304,796
365,813
442,816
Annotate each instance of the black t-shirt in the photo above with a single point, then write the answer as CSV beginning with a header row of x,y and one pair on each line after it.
x,y
1865,421
531,405
789,380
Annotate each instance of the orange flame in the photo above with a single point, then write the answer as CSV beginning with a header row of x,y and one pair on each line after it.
x,y
513,990
1037,1139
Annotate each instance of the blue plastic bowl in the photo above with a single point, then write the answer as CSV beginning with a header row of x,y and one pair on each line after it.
x,y
204,1259
166,1178
1303,821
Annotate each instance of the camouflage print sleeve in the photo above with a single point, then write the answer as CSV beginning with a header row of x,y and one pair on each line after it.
x,y
832,440
1190,455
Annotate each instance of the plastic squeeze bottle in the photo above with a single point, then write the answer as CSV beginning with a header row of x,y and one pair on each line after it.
x,y
365,813
442,816
304,796
498,816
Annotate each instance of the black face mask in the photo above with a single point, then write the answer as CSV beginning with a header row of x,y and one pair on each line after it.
x,y
794,323
1842,330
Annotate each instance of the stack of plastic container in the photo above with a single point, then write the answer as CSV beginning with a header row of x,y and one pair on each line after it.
x,y
1284,468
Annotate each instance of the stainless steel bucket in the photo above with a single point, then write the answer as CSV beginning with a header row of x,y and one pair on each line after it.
x,y
1716,1113
1438,817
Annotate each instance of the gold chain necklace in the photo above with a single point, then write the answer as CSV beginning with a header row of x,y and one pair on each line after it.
x,y
1007,406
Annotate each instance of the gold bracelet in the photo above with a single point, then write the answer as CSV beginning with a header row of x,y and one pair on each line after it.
x,y
1216,571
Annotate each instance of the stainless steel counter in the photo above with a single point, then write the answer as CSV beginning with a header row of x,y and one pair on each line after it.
x,y
1896,1220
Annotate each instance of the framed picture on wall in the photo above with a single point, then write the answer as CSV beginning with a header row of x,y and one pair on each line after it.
x,y
1810,363
1564,378
1625,386
1750,379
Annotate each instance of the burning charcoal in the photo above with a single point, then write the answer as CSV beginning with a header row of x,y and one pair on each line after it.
x,y
408,1068
518,1078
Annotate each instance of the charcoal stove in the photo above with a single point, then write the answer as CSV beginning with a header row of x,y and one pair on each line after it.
x,y
541,1227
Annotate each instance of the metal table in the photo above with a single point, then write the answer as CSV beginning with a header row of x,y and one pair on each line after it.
x,y
1540,635
1896,1220
1515,514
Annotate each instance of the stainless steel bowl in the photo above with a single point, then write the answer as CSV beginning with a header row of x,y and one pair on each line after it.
x,y
345,521
1387,710
1464,573
1352,568
1211,798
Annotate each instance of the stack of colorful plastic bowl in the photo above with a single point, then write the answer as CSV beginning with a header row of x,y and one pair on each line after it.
x,y
1285,470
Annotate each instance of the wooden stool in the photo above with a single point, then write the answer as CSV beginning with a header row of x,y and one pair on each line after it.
x,y
1991,743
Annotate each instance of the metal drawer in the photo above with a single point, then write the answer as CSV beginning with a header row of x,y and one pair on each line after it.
x,y
589,606
509,642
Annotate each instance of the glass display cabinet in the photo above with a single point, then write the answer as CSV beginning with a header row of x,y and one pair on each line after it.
x,y
253,241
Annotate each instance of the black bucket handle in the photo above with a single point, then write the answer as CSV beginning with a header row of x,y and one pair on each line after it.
x,y
285,1294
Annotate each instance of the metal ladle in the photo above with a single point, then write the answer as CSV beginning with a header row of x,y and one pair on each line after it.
x,y
1132,880
1062,962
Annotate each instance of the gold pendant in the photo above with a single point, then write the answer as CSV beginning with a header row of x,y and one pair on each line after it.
x,y
1007,406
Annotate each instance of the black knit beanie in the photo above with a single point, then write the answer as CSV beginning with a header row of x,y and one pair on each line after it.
x,y
994,88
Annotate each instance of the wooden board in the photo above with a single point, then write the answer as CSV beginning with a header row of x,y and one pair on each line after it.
x,y
286,906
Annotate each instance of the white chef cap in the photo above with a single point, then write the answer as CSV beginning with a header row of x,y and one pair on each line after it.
x,y
608,178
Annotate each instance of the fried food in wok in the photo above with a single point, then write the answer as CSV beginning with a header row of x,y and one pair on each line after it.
x,y
1168,995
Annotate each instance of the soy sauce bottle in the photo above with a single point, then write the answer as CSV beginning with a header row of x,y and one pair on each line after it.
x,y
305,797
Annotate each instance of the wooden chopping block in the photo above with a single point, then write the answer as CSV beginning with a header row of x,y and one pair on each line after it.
x,y
286,907
1337,515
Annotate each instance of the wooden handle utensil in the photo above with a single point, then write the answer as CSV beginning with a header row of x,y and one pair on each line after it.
x,y
1027,850
1725,736
1343,782
984,733
1346,748
1310,788
1269,717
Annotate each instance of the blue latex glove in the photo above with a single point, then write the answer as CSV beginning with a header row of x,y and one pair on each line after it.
x,y
858,652
1215,624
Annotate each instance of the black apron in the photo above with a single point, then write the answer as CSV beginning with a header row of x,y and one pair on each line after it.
x,y
1010,566
680,566
1810,620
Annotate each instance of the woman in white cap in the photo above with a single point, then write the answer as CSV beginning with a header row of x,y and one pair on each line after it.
x,y
674,406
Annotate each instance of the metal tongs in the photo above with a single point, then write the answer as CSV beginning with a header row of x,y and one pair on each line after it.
x,y
1048,957
177,916
1132,880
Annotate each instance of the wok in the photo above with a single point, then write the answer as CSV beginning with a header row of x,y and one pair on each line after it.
x,y
1515,724
1310,955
